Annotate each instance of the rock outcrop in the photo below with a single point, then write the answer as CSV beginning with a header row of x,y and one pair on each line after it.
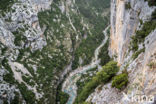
x,y
127,17
19,29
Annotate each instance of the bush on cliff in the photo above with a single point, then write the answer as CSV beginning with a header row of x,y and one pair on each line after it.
x,y
102,77
140,36
120,81
128,6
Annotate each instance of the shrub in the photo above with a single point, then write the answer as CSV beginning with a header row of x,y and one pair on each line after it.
x,y
136,54
102,77
6,4
128,5
140,36
27,94
154,15
108,71
9,76
151,2
3,50
141,22
63,97
19,37
88,89
134,43
120,81
152,65
16,100
103,55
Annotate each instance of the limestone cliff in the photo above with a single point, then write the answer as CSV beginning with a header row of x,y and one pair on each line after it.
x,y
128,18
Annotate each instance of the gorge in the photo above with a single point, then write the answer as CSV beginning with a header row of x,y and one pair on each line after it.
x,y
77,51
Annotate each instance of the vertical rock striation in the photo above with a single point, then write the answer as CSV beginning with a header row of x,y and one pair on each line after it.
x,y
127,17
124,23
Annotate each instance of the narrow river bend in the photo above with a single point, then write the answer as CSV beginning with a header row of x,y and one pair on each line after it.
x,y
69,85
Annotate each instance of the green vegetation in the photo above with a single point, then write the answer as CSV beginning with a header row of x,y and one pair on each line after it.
x,y
140,36
102,77
86,103
86,50
88,9
17,99
3,50
28,80
152,65
46,68
9,76
154,15
22,53
6,4
103,55
85,6
84,79
108,71
19,37
87,90
141,22
50,61
120,81
136,54
63,97
28,95
151,2
87,46
128,5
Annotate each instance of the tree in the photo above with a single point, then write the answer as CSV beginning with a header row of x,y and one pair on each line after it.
x,y
120,81
103,76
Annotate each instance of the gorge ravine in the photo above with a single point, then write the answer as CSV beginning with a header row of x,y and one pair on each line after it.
x,y
69,85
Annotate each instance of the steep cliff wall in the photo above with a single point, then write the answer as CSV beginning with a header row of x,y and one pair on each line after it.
x,y
128,19
124,22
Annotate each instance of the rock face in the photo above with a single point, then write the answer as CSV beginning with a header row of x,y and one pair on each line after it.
x,y
19,29
125,21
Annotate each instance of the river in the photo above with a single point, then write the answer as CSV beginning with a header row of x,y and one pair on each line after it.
x,y
69,85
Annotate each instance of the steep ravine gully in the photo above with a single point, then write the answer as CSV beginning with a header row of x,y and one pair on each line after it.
x,y
69,85
41,41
